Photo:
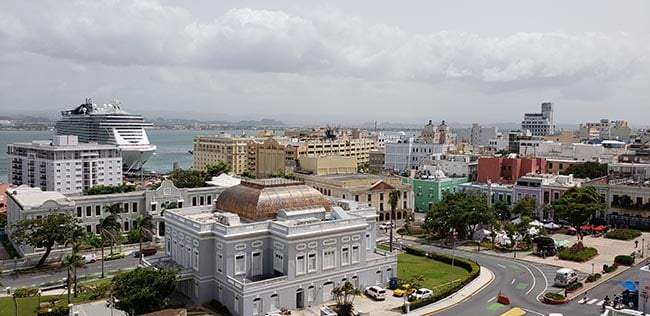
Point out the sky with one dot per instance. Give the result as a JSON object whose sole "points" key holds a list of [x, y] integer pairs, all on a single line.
{"points": [[329, 62]]}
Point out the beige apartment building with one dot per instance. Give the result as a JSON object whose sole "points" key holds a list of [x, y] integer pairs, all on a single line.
{"points": [[372, 190], [209, 150], [274, 154]]}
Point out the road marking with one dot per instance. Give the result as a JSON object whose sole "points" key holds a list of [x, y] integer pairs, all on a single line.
{"points": [[521, 286], [40, 276], [502, 266], [514, 267], [495, 306], [513, 281], [534, 312], [492, 299], [532, 275], [545, 281], [592, 301]]}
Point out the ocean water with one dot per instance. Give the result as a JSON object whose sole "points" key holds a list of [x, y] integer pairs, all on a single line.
{"points": [[173, 146]]}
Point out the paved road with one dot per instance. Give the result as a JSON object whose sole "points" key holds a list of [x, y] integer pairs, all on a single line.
{"points": [[36, 279]]}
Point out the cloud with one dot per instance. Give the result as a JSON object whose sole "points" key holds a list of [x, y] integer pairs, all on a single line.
{"points": [[148, 33]]}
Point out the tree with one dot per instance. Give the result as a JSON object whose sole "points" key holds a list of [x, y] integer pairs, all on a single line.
{"points": [[142, 290], [188, 178], [589, 169], [502, 209], [344, 296], [77, 239], [54, 228], [248, 174], [71, 261], [215, 170], [109, 231], [393, 199], [460, 213], [525, 207], [578, 205], [477, 212], [145, 228], [282, 174]]}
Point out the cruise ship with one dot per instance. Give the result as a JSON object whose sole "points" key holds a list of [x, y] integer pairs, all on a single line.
{"points": [[109, 124]]}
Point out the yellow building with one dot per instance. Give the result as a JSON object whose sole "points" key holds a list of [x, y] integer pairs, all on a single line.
{"points": [[328, 165], [209, 150], [557, 166], [266, 155], [564, 137], [364, 188]]}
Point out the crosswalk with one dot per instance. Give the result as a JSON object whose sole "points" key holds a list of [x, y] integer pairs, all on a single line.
{"points": [[593, 301]]}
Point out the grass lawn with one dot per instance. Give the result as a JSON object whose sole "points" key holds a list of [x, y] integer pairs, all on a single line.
{"points": [[434, 272], [27, 305]]}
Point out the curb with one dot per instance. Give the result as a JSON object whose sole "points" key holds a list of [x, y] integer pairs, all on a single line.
{"points": [[444, 308], [600, 281]]}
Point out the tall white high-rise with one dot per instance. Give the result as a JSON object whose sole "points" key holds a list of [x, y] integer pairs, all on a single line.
{"points": [[540, 124], [63, 164]]}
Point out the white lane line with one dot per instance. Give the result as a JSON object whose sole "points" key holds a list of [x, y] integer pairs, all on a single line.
{"points": [[492, 299], [513, 281], [592, 301], [501, 266], [545, 281], [532, 275], [40, 276]]}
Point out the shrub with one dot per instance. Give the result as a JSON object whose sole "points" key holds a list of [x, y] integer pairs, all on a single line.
{"points": [[609, 269], [573, 286], [623, 234], [581, 255], [624, 260], [26, 292], [555, 296], [593, 277]]}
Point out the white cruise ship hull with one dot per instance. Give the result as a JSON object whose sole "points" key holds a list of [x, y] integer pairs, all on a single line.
{"points": [[133, 157]]}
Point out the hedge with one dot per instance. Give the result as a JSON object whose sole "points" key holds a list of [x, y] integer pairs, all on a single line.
{"points": [[623, 234], [593, 277], [573, 286], [581, 256], [555, 296], [26, 292], [624, 260], [609, 269], [472, 267]]}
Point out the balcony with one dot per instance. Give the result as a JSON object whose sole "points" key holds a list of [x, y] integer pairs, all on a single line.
{"points": [[247, 285]]}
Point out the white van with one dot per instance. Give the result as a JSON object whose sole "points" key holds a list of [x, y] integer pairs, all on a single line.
{"points": [[564, 277], [376, 292], [89, 258]]}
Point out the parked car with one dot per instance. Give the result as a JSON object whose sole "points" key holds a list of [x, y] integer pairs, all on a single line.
{"points": [[421, 293], [376, 292], [114, 256], [89, 258], [147, 251], [405, 289], [385, 225]]}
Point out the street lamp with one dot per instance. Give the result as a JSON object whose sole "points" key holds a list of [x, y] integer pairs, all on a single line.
{"points": [[70, 309], [642, 247], [453, 256]]}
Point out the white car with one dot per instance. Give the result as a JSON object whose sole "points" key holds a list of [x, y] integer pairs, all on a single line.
{"points": [[89, 258], [385, 225], [376, 292], [421, 293]]}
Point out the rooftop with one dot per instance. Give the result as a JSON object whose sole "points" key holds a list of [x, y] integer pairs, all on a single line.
{"points": [[28, 197]]}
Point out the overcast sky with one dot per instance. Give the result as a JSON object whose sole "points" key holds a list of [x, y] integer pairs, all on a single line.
{"points": [[335, 61]]}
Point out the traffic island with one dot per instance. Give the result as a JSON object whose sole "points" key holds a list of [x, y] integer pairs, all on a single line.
{"points": [[555, 298]]}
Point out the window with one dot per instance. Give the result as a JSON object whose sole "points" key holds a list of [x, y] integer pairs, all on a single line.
{"points": [[381, 206], [369, 197], [201, 200], [169, 245], [240, 263], [275, 302], [126, 226], [310, 294], [404, 205], [98, 210], [188, 263], [300, 264], [134, 205], [236, 304], [89, 211], [311, 262], [345, 255], [278, 262], [329, 258], [381, 196], [219, 262], [196, 260], [88, 228], [257, 306], [78, 211], [153, 207], [356, 197], [97, 229], [209, 199], [126, 207], [356, 254], [194, 201], [368, 242]]}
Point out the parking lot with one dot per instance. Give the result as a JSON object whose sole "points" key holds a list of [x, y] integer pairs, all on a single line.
{"points": [[363, 304]]}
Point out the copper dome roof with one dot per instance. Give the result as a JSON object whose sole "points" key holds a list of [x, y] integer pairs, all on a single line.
{"points": [[261, 199]]}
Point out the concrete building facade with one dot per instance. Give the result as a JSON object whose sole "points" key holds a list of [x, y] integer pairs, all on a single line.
{"points": [[429, 191], [508, 170], [408, 154], [540, 124], [293, 259], [63, 164], [209, 150], [476, 135]]}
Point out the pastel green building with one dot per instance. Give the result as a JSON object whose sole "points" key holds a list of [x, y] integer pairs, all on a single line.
{"points": [[427, 192]]}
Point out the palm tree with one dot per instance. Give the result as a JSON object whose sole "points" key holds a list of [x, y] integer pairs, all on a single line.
{"points": [[76, 240], [109, 231], [71, 262], [393, 198], [145, 228]]}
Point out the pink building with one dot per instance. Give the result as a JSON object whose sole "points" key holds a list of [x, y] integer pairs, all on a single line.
{"points": [[508, 170]]}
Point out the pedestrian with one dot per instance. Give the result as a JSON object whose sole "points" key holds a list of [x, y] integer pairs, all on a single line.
{"points": [[584, 298], [636, 243]]}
